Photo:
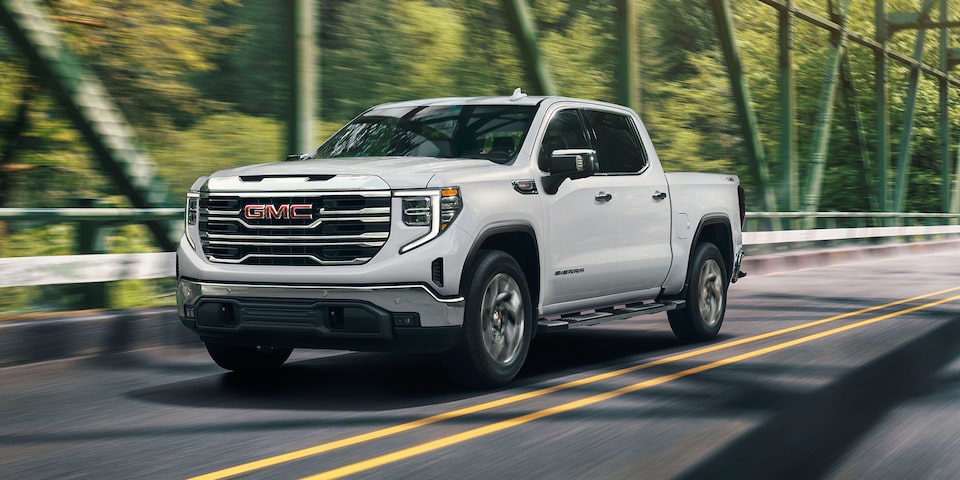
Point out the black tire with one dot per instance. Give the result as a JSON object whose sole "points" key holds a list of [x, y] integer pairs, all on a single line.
{"points": [[706, 296], [246, 359], [497, 324]]}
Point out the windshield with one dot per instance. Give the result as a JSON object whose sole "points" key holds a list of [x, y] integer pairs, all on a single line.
{"points": [[489, 132]]}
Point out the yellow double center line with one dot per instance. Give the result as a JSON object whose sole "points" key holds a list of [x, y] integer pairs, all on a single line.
{"points": [[523, 419]]}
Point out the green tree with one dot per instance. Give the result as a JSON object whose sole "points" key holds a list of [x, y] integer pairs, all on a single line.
{"points": [[144, 51], [682, 71]]}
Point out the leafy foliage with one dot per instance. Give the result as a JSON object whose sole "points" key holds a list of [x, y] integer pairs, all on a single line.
{"points": [[144, 50]]}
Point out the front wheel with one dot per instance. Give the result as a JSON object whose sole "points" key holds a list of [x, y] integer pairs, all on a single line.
{"points": [[706, 296], [246, 359], [497, 324]]}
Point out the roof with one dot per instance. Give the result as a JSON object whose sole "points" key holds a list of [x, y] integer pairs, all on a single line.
{"points": [[527, 100], [500, 100]]}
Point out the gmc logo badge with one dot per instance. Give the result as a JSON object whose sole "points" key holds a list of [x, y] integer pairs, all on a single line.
{"points": [[296, 211]]}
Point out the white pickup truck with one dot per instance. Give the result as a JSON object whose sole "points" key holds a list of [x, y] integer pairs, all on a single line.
{"points": [[461, 226]]}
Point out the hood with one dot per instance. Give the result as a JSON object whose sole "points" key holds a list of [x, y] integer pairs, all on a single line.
{"points": [[355, 173]]}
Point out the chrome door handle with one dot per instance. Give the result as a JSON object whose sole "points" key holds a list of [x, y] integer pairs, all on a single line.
{"points": [[659, 195], [603, 197]]}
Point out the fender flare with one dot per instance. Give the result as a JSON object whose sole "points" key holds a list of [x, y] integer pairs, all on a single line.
{"points": [[492, 231], [705, 221]]}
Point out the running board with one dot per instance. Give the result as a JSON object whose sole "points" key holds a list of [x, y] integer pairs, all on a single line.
{"points": [[600, 315]]}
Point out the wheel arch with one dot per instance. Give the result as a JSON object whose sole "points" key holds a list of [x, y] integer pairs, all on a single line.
{"points": [[518, 241], [716, 229]]}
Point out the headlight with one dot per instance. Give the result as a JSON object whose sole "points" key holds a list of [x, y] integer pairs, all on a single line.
{"points": [[193, 204], [417, 211], [436, 209], [450, 206], [191, 213]]}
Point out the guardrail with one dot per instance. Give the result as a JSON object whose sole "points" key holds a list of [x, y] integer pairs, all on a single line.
{"points": [[93, 267], [91, 221], [96, 215], [832, 226]]}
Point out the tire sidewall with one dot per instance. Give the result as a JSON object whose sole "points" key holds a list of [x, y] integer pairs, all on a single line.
{"points": [[489, 264], [706, 251]]}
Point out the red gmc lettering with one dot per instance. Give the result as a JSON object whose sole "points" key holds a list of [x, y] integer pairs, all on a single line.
{"points": [[305, 211], [299, 211]]}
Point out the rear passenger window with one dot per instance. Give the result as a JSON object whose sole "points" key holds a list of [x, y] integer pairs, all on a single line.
{"points": [[616, 141]]}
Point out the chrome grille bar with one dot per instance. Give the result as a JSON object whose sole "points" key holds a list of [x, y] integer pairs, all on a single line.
{"points": [[327, 228]]}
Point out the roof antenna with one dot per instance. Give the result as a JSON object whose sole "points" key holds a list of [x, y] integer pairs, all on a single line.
{"points": [[517, 95]]}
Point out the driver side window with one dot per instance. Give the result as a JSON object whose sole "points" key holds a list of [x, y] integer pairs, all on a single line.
{"points": [[564, 131], [616, 141]]}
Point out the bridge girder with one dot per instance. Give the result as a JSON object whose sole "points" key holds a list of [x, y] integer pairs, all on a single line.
{"points": [[886, 24]]}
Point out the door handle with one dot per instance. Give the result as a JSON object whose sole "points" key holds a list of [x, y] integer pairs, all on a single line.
{"points": [[658, 195], [603, 197]]}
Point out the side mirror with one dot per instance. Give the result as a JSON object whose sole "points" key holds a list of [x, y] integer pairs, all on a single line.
{"points": [[569, 163]]}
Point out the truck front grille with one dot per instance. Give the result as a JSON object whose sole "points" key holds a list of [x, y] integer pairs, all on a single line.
{"points": [[294, 229]]}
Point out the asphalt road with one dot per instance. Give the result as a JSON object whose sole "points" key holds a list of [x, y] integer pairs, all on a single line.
{"points": [[849, 371]]}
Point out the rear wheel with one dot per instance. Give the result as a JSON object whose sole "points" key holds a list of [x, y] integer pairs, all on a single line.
{"points": [[706, 296], [497, 324], [246, 359]]}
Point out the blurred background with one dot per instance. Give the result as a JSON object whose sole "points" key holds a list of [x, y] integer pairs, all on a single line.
{"points": [[205, 85]]}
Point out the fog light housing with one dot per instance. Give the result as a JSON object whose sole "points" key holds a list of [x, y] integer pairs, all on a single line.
{"points": [[406, 319], [188, 293]]}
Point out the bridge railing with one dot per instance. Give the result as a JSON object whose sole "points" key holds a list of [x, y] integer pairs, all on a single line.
{"points": [[93, 266], [842, 228]]}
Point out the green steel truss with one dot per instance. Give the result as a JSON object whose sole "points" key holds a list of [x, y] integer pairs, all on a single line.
{"points": [[787, 195], [92, 110], [876, 179]]}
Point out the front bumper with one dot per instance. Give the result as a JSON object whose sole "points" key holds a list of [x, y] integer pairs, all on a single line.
{"points": [[373, 318]]}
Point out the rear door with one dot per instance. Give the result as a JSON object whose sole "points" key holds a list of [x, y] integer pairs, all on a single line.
{"points": [[639, 197]]}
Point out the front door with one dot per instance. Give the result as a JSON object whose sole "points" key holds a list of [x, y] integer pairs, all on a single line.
{"points": [[582, 262]]}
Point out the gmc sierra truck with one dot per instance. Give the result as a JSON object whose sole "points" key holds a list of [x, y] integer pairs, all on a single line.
{"points": [[460, 226]]}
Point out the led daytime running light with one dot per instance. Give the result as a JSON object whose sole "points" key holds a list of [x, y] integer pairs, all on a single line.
{"points": [[442, 207]]}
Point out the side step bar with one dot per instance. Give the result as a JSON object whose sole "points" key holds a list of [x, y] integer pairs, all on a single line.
{"points": [[600, 315]]}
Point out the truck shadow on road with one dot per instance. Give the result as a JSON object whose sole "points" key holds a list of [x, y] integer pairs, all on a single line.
{"points": [[380, 381], [808, 433]]}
